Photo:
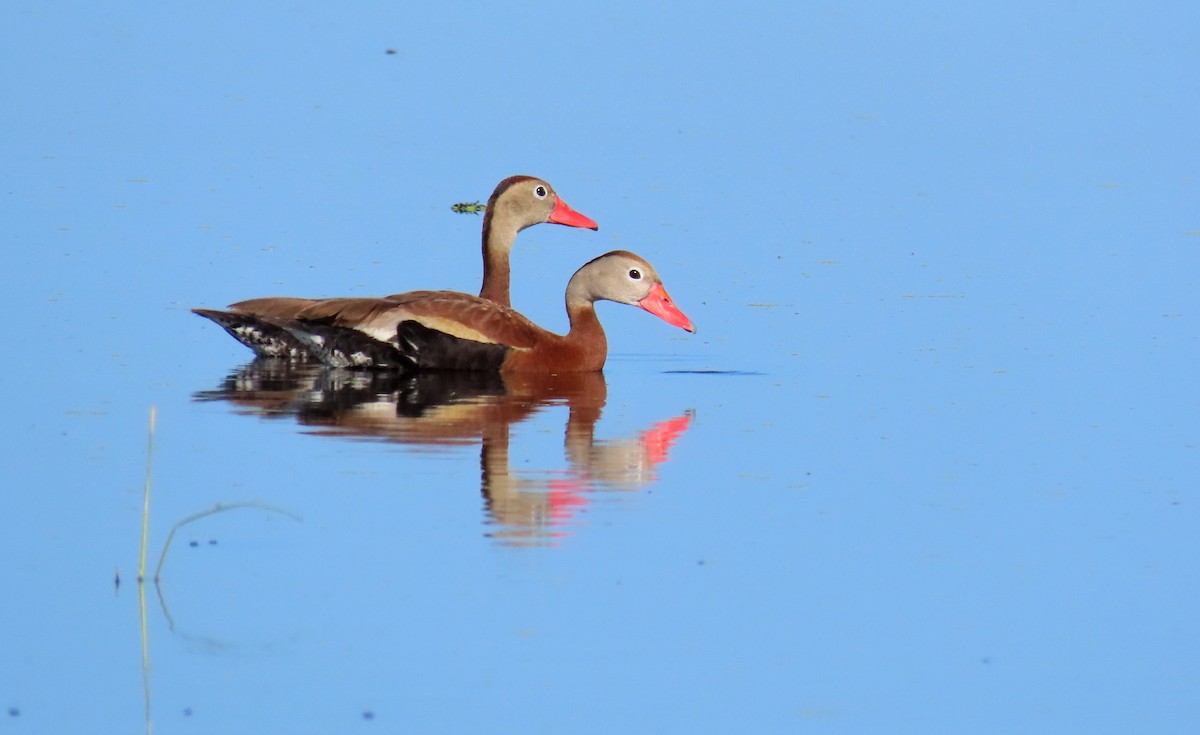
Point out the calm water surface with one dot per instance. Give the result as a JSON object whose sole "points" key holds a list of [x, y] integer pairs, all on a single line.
{"points": [[929, 464]]}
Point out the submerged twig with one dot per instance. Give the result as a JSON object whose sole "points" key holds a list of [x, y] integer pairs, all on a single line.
{"points": [[141, 576], [146, 495]]}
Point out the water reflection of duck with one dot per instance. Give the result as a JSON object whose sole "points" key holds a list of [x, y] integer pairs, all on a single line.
{"points": [[517, 202], [479, 334], [465, 408]]}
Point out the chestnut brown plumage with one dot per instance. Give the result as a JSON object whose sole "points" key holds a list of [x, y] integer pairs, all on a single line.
{"points": [[447, 330]]}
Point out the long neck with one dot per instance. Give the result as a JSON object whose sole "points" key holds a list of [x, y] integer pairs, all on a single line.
{"points": [[498, 238], [586, 336]]}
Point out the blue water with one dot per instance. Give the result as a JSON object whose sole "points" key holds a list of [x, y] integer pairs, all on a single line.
{"points": [[929, 464]]}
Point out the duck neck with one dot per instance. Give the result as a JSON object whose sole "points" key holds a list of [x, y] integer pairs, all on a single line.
{"points": [[586, 335], [498, 238]]}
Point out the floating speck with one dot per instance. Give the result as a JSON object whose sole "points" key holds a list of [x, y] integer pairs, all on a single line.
{"points": [[468, 208]]}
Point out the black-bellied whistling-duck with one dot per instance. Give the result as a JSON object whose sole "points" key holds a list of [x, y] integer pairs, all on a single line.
{"points": [[517, 202], [446, 330]]}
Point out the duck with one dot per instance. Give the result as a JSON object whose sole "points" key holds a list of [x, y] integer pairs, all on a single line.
{"points": [[449, 330], [516, 203]]}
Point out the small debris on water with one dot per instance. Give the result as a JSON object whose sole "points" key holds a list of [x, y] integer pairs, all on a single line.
{"points": [[468, 208]]}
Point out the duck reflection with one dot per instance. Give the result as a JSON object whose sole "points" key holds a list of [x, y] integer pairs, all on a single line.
{"points": [[529, 507]]}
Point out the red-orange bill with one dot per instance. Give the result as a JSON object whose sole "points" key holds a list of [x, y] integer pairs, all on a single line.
{"points": [[564, 215], [658, 303]]}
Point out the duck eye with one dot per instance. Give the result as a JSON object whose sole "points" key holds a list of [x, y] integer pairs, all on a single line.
{"points": [[539, 191], [635, 274]]}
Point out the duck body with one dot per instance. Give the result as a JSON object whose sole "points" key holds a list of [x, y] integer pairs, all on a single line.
{"points": [[422, 330]]}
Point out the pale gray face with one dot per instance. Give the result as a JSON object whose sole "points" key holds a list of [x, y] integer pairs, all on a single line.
{"points": [[526, 202], [626, 278], [617, 276], [522, 201]]}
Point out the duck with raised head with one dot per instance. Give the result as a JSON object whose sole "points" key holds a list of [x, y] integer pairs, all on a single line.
{"points": [[446, 330], [516, 203]]}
